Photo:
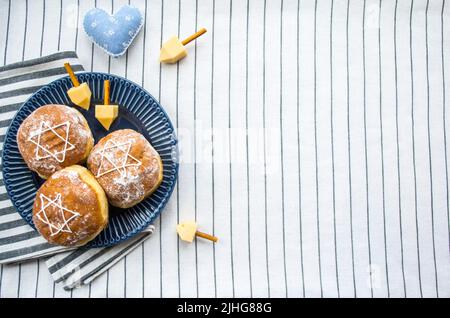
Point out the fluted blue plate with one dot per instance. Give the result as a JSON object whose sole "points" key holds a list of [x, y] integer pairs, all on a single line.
{"points": [[138, 111]]}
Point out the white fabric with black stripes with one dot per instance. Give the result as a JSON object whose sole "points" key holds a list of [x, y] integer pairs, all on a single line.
{"points": [[18, 241], [340, 189]]}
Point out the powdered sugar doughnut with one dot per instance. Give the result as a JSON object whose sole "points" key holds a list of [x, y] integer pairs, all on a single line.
{"points": [[126, 166], [70, 208], [54, 137]]}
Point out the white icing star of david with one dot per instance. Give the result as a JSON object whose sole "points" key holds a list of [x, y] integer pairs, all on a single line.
{"points": [[60, 155], [42, 215], [119, 163]]}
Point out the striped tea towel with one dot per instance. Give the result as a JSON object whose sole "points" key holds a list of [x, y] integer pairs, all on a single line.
{"points": [[18, 241]]}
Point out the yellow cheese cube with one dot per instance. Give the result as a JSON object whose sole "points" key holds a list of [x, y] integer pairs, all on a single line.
{"points": [[172, 51], [186, 230], [80, 95], [106, 114]]}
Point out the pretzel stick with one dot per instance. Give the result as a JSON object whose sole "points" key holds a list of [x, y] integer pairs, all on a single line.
{"points": [[73, 78], [206, 236], [106, 91], [193, 36]]}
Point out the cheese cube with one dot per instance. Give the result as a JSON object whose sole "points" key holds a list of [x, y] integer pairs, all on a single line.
{"points": [[80, 95], [186, 230], [172, 51], [106, 114]]}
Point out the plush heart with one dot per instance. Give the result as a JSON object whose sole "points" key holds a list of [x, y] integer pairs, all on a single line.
{"points": [[113, 33]]}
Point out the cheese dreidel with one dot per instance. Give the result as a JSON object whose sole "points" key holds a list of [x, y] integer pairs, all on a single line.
{"points": [[79, 94], [187, 231], [173, 50], [106, 113]]}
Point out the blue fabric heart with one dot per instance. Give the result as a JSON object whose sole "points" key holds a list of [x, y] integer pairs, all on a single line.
{"points": [[113, 33]]}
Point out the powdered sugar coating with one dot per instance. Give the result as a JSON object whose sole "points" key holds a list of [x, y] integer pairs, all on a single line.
{"points": [[140, 172], [44, 152]]}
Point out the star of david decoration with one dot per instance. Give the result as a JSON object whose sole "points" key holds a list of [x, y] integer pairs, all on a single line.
{"points": [[58, 155], [118, 156], [56, 228]]}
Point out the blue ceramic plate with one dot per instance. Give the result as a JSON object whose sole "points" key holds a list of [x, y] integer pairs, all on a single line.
{"points": [[138, 111]]}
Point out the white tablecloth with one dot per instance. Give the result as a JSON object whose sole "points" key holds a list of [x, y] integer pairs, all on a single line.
{"points": [[340, 187]]}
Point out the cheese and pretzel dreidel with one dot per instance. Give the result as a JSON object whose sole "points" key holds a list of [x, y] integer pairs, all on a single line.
{"points": [[173, 50], [106, 113], [79, 94], [187, 231]]}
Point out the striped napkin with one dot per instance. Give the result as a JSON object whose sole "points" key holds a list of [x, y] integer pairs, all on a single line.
{"points": [[18, 241]]}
